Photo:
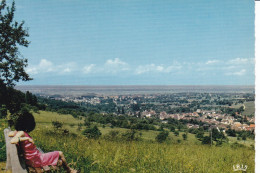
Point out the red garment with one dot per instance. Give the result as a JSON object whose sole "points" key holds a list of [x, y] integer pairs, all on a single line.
{"points": [[33, 157]]}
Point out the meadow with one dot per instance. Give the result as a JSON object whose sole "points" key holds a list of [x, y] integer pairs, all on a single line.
{"points": [[145, 155]]}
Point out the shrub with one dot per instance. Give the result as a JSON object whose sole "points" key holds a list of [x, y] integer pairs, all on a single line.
{"points": [[172, 129], [200, 135], [184, 136], [3, 111], [57, 124], [237, 145], [112, 135], [176, 133], [93, 132], [130, 135], [206, 140], [2, 148], [162, 136]]}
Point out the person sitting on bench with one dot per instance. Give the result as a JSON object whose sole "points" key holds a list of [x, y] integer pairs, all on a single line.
{"points": [[33, 157]]}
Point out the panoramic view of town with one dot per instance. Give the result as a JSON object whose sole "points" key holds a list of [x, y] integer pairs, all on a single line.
{"points": [[127, 86], [201, 109]]}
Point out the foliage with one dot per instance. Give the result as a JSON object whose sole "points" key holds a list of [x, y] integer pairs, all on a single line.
{"points": [[57, 124], [172, 128], [217, 135], [162, 136], [12, 36], [3, 111], [200, 135], [92, 132], [31, 99], [112, 135], [176, 133], [184, 136], [206, 140], [2, 148], [130, 135], [231, 132], [246, 134]]}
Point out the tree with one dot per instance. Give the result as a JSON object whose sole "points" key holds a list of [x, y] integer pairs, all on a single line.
{"points": [[162, 136], [3, 111], [12, 36], [231, 132], [93, 132], [200, 135], [244, 137], [176, 133], [12, 64], [130, 135], [184, 136], [172, 129], [206, 140]]}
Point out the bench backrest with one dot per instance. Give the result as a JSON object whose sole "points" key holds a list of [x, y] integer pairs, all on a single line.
{"points": [[13, 161]]}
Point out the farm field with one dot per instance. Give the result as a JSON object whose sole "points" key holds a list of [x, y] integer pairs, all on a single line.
{"points": [[249, 108], [104, 155]]}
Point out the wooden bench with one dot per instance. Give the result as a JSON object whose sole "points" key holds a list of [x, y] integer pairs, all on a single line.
{"points": [[14, 161]]}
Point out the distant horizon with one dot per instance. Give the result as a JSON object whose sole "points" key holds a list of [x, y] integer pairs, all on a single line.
{"points": [[79, 90], [134, 85]]}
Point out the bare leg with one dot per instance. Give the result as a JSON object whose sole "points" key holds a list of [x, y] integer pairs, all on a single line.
{"points": [[64, 163]]}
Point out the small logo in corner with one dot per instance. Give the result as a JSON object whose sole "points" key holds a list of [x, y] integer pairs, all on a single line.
{"points": [[239, 167]]}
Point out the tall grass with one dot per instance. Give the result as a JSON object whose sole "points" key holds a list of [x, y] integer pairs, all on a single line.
{"points": [[141, 156], [104, 155]]}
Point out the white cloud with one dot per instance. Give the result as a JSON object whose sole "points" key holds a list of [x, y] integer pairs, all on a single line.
{"points": [[233, 67], [32, 70], [66, 68], [147, 68], [157, 68], [46, 66], [241, 61], [212, 61], [88, 68], [237, 73], [116, 65], [115, 62], [43, 66], [175, 66]]}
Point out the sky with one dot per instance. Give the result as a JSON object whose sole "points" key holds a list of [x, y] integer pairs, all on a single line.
{"points": [[139, 42]]}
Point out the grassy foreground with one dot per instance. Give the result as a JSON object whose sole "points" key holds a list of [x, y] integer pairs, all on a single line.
{"points": [[140, 156], [104, 155]]}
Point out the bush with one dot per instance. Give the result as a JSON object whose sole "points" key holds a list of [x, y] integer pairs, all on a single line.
{"points": [[130, 135], [176, 133], [93, 132], [172, 129], [184, 136], [57, 124], [237, 145], [112, 135], [2, 148], [3, 111], [162, 136], [200, 135], [206, 140]]}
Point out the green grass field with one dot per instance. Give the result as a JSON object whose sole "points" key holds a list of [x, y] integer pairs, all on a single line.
{"points": [[103, 155], [249, 108]]}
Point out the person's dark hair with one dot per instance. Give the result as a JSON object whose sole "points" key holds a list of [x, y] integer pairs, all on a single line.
{"points": [[25, 122]]}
